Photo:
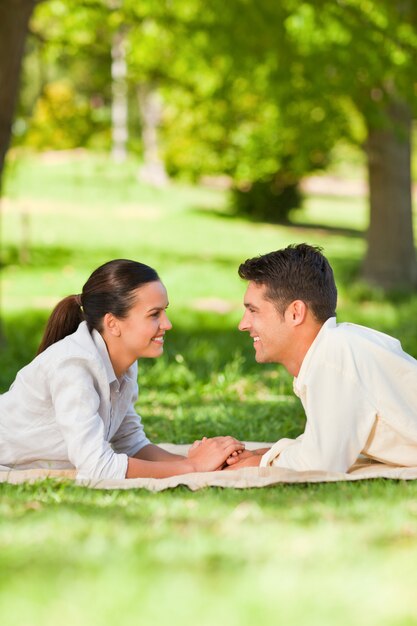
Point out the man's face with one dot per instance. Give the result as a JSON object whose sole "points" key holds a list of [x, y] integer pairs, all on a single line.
{"points": [[271, 332]]}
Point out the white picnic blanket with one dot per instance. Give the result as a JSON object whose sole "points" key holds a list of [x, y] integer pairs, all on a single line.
{"points": [[247, 477]]}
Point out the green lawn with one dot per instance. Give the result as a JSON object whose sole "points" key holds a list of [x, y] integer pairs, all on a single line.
{"points": [[314, 554]]}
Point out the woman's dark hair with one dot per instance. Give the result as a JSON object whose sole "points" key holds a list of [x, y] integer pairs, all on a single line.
{"points": [[110, 289], [298, 272]]}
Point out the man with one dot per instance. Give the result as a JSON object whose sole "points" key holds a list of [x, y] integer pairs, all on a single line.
{"points": [[357, 386]]}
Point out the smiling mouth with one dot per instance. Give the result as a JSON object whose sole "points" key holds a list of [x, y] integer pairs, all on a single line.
{"points": [[159, 340], [255, 339]]}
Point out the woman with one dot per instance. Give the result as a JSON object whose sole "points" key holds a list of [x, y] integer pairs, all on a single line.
{"points": [[73, 405]]}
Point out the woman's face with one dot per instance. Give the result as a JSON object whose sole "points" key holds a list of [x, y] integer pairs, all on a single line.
{"points": [[142, 331]]}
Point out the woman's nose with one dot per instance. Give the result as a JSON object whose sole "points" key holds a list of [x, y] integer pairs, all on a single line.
{"points": [[166, 324]]}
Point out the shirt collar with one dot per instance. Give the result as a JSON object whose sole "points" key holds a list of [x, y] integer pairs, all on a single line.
{"points": [[103, 352], [328, 324]]}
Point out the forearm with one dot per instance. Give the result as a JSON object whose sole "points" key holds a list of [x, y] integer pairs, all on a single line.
{"points": [[139, 468], [206, 457], [152, 452]]}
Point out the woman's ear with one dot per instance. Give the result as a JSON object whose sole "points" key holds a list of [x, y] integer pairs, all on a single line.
{"points": [[111, 325]]}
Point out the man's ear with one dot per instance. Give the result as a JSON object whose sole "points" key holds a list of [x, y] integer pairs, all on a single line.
{"points": [[296, 312], [111, 325]]}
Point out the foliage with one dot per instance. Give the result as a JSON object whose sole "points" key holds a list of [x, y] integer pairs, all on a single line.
{"points": [[61, 120], [270, 200], [253, 91], [66, 76]]}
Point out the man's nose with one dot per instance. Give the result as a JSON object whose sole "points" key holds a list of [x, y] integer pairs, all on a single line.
{"points": [[243, 324]]}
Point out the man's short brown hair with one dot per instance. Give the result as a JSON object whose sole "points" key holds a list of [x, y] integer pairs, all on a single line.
{"points": [[298, 272]]}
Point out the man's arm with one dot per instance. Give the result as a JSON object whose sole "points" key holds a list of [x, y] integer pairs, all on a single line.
{"points": [[340, 417]]}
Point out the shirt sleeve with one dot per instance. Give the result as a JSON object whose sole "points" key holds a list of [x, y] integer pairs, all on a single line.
{"points": [[76, 403], [339, 420], [130, 436]]}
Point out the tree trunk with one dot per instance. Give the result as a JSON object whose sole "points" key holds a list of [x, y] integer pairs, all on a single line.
{"points": [[119, 108], [14, 19], [150, 105], [390, 260]]}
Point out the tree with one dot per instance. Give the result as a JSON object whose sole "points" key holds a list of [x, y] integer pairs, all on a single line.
{"points": [[390, 260], [370, 59], [263, 90], [119, 96], [326, 70], [14, 20]]}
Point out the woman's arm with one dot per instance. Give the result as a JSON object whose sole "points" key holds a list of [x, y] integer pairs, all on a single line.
{"points": [[151, 452], [210, 455]]}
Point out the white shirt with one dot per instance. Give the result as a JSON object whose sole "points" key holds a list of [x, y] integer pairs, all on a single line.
{"points": [[67, 408], [359, 392]]}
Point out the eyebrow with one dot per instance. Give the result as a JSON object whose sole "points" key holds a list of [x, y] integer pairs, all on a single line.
{"points": [[158, 308], [249, 304]]}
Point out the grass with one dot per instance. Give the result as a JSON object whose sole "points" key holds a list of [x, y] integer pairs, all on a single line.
{"points": [[299, 554], [316, 554]]}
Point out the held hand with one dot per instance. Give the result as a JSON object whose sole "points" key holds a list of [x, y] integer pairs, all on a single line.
{"points": [[246, 459], [237, 458], [245, 454], [211, 454]]}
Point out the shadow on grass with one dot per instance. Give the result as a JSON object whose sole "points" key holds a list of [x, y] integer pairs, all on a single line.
{"points": [[248, 420], [327, 229]]}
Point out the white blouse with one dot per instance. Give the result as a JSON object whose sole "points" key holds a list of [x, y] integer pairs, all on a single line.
{"points": [[358, 389], [68, 409]]}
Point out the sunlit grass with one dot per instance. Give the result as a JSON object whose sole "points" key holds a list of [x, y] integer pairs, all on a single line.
{"points": [[321, 554], [297, 554]]}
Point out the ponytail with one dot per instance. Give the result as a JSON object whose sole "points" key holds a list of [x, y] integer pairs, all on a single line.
{"points": [[63, 321]]}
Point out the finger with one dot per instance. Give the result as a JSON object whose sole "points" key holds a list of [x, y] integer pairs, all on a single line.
{"points": [[232, 460], [231, 447]]}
